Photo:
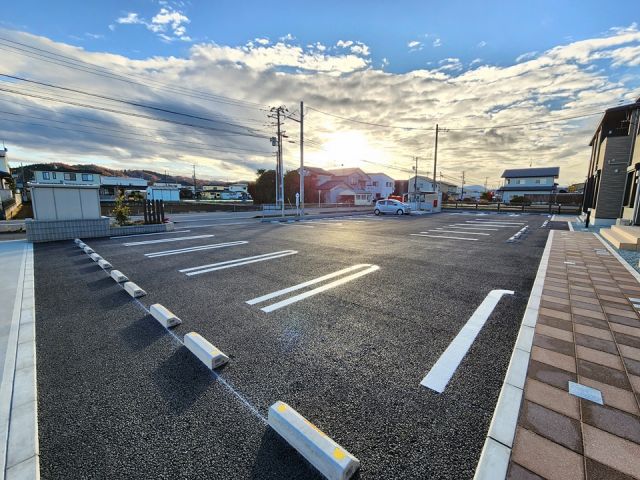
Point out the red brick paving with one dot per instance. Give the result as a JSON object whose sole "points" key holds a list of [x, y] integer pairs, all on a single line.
{"points": [[587, 331]]}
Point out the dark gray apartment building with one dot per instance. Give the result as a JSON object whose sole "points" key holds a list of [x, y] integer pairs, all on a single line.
{"points": [[611, 189]]}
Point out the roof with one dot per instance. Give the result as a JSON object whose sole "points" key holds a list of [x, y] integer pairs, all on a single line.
{"points": [[524, 188], [381, 174], [343, 172], [317, 171], [608, 111], [123, 181], [332, 184], [531, 172]]}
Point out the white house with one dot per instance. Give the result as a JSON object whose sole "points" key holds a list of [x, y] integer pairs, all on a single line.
{"points": [[420, 184], [537, 184], [382, 185], [5, 175], [66, 178]]}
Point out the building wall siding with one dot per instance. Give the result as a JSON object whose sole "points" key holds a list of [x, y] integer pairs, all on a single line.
{"points": [[612, 183]]}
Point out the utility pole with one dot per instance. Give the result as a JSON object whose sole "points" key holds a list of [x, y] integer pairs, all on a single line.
{"points": [[301, 122], [435, 159], [279, 111], [462, 188], [301, 158], [195, 188], [485, 183]]}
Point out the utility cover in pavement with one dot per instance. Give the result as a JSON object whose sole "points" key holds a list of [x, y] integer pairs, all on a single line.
{"points": [[585, 392]]}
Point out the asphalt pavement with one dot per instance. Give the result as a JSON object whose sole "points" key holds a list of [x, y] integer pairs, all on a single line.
{"points": [[120, 397]]}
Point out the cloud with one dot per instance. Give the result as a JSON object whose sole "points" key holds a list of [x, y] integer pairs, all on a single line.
{"points": [[415, 45], [437, 42], [360, 49], [567, 80], [481, 44], [130, 18], [262, 41], [168, 24], [526, 56]]}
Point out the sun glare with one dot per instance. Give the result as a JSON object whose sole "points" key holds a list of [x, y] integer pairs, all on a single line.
{"points": [[348, 149]]}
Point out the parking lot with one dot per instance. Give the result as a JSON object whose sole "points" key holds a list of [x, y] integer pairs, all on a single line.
{"points": [[342, 318]]}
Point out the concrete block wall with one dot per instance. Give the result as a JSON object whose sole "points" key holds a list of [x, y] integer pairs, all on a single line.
{"points": [[52, 230]]}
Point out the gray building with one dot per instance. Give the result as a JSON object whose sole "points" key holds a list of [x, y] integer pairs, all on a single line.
{"points": [[535, 184], [612, 179]]}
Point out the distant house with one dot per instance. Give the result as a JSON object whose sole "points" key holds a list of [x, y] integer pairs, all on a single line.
{"points": [[110, 187], [66, 178], [473, 192], [421, 184], [344, 185], [611, 189], [164, 193], [382, 185], [536, 184], [5, 175]]}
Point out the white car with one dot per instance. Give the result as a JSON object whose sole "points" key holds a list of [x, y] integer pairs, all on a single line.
{"points": [[391, 206]]}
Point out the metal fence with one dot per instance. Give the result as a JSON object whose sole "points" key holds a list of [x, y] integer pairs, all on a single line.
{"points": [[550, 208]]}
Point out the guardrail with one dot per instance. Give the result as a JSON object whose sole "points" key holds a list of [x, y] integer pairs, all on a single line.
{"points": [[551, 208]]}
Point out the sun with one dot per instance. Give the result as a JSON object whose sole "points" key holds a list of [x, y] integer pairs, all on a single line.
{"points": [[347, 149]]}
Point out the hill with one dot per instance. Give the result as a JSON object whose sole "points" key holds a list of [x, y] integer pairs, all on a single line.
{"points": [[148, 175]]}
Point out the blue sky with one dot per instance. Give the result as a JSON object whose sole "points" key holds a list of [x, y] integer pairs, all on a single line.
{"points": [[495, 31], [410, 64]]}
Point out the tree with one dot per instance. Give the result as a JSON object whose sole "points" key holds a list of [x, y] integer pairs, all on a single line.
{"points": [[121, 211], [263, 190], [488, 196]]}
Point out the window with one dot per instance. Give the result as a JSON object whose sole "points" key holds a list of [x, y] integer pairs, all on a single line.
{"points": [[87, 177], [375, 184], [54, 175], [508, 181], [520, 182], [537, 180], [389, 184], [45, 175], [69, 176]]}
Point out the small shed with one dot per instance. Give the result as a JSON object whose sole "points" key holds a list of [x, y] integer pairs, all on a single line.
{"points": [[65, 202]]}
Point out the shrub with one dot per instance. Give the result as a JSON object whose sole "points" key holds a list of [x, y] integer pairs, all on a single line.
{"points": [[121, 211]]}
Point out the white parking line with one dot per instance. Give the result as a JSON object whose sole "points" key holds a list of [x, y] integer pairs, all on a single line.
{"points": [[467, 227], [326, 223], [308, 283], [221, 224], [439, 230], [212, 267], [194, 249], [442, 371], [491, 224], [441, 236], [165, 240], [147, 234], [296, 298], [487, 222]]}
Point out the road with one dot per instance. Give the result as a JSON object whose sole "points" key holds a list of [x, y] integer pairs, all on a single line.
{"points": [[371, 305]]}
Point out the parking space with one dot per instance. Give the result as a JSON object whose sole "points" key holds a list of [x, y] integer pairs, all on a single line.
{"points": [[341, 318]]}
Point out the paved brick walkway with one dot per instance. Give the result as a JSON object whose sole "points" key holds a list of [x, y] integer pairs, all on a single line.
{"points": [[588, 332]]}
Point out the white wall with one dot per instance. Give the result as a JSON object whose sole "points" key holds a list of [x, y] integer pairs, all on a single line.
{"points": [[65, 202]]}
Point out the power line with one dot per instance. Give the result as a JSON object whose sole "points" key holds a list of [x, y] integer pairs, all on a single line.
{"points": [[369, 123], [138, 115], [126, 102], [88, 67], [134, 134]]}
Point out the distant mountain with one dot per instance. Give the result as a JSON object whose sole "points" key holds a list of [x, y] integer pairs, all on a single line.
{"points": [[148, 175]]}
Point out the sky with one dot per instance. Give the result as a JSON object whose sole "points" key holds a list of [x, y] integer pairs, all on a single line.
{"points": [[164, 85]]}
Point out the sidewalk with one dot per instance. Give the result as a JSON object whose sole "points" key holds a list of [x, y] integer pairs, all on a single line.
{"points": [[18, 400], [587, 332]]}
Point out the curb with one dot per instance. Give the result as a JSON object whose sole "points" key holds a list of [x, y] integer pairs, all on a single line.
{"points": [[22, 451], [494, 459]]}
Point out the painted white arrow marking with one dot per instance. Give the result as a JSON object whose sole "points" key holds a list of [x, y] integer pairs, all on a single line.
{"points": [[440, 374]]}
